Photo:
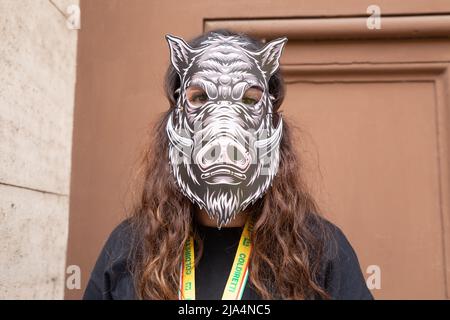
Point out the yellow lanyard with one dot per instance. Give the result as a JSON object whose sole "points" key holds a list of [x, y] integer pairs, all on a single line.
{"points": [[237, 279]]}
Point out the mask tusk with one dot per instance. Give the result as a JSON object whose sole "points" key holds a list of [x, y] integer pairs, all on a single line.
{"points": [[273, 140], [177, 140]]}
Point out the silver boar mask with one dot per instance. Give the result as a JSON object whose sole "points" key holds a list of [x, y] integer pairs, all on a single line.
{"points": [[224, 148]]}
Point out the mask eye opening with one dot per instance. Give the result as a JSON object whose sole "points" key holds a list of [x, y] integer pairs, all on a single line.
{"points": [[252, 95], [196, 96]]}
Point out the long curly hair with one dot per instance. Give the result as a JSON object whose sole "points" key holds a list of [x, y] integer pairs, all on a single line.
{"points": [[288, 236]]}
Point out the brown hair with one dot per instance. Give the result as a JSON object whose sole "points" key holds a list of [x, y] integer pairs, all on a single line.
{"points": [[288, 236]]}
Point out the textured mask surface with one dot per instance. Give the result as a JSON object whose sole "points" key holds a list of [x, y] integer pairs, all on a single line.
{"points": [[224, 148]]}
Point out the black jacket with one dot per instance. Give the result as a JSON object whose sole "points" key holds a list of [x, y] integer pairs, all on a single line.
{"points": [[110, 278]]}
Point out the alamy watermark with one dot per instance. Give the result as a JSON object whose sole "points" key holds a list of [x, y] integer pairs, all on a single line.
{"points": [[373, 22], [73, 277], [73, 21], [373, 281]]}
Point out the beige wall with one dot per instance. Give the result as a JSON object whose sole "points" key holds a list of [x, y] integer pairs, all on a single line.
{"points": [[37, 78]]}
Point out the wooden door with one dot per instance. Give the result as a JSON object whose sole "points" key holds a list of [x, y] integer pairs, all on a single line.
{"points": [[371, 107]]}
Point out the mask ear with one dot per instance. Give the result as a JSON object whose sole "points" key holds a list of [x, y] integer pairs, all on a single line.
{"points": [[181, 53], [269, 56]]}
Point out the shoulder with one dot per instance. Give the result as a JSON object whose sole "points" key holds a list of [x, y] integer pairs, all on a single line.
{"points": [[119, 240], [117, 247], [337, 245], [341, 271], [111, 277]]}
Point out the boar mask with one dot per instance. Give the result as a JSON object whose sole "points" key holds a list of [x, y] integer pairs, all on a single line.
{"points": [[223, 143]]}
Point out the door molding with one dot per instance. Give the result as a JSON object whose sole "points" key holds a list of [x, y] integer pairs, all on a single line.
{"points": [[423, 26]]}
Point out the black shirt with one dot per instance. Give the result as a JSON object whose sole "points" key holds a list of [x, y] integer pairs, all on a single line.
{"points": [[110, 278], [219, 250]]}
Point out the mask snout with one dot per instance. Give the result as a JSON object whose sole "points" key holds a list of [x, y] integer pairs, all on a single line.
{"points": [[226, 153]]}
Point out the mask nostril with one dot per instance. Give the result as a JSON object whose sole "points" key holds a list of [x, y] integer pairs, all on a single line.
{"points": [[234, 153], [223, 152], [212, 154]]}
